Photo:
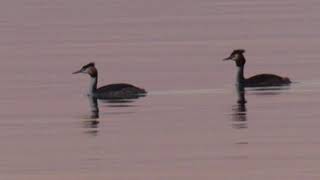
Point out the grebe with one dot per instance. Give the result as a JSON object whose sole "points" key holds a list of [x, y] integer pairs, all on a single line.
{"points": [[112, 91], [260, 80]]}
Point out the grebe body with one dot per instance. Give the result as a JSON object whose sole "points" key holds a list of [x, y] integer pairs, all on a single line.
{"points": [[112, 91], [260, 80], [119, 91], [266, 80]]}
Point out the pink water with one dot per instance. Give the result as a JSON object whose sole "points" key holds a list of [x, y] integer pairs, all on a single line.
{"points": [[188, 127]]}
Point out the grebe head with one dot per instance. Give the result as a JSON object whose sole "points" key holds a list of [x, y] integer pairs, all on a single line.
{"points": [[237, 56], [88, 69]]}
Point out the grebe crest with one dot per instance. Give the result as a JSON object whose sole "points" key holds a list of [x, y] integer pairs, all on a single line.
{"points": [[88, 69]]}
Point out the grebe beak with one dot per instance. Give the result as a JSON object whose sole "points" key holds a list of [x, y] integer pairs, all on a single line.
{"points": [[77, 72], [228, 58]]}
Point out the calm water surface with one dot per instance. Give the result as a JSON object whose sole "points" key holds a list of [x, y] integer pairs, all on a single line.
{"points": [[190, 126]]}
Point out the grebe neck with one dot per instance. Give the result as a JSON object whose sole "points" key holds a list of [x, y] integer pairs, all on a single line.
{"points": [[240, 76], [93, 85]]}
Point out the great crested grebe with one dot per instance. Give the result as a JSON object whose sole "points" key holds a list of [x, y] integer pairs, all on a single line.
{"points": [[260, 80], [112, 91]]}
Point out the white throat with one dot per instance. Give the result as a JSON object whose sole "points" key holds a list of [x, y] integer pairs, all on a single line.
{"points": [[93, 85]]}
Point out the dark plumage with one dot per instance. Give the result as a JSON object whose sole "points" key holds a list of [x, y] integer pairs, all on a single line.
{"points": [[266, 80], [112, 91], [260, 80], [120, 91]]}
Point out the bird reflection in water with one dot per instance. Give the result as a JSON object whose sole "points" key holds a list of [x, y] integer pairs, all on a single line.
{"points": [[92, 122], [118, 103], [239, 115]]}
